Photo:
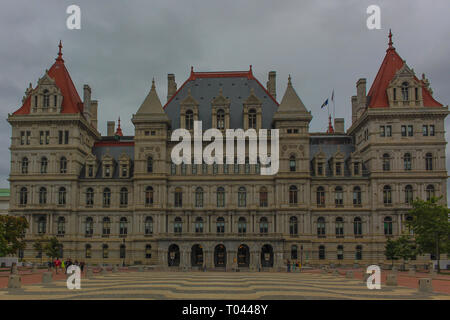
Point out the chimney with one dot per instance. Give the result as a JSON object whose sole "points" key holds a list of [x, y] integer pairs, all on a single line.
{"points": [[87, 101], [272, 84], [354, 107], [339, 125], [94, 108], [171, 85], [111, 125], [361, 92]]}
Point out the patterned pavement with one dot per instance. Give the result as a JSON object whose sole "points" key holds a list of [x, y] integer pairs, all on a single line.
{"points": [[214, 285]]}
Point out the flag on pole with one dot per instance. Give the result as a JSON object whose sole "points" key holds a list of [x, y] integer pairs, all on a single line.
{"points": [[324, 104], [332, 96]]}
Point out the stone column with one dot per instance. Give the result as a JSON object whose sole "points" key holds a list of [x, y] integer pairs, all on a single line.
{"points": [[254, 260], [231, 255]]}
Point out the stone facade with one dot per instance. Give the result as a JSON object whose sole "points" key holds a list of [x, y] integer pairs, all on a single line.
{"points": [[336, 198]]}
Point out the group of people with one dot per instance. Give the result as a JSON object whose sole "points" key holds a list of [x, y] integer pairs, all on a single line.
{"points": [[292, 265], [64, 265]]}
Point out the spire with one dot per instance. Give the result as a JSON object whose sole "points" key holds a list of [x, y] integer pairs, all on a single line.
{"points": [[330, 126], [291, 101], [152, 105], [59, 58], [390, 41], [119, 130]]}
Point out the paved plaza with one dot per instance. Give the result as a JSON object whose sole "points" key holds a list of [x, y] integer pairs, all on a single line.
{"points": [[216, 285]]}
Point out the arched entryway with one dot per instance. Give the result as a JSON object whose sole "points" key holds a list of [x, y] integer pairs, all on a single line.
{"points": [[267, 256], [220, 256], [173, 256], [243, 256], [197, 255]]}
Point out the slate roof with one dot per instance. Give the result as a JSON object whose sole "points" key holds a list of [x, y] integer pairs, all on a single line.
{"points": [[236, 86]]}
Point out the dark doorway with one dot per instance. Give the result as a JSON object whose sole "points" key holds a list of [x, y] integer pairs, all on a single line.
{"points": [[267, 256], [243, 256], [197, 255], [173, 257], [220, 256]]}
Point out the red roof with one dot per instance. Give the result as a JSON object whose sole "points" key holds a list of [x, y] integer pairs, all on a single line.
{"points": [[391, 64], [221, 74], [71, 100], [114, 143]]}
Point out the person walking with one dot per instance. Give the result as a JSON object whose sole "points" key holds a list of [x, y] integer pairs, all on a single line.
{"points": [[288, 263], [63, 266]]}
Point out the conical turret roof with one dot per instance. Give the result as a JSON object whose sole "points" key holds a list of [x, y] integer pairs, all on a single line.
{"points": [[291, 105], [151, 107]]}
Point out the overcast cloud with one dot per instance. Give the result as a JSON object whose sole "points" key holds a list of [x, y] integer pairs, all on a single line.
{"points": [[324, 45]]}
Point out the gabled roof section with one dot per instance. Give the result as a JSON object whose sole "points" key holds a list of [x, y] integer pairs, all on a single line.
{"points": [[71, 102], [392, 62]]}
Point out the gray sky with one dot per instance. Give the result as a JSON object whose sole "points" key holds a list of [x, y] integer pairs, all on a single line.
{"points": [[123, 44]]}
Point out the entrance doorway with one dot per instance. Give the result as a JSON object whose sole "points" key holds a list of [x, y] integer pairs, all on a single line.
{"points": [[243, 256], [220, 256], [173, 256], [267, 256], [197, 255]]}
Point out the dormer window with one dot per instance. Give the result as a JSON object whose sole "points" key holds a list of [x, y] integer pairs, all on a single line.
{"points": [[90, 170], [221, 119], [252, 119], [124, 171], [107, 171], [46, 99], [338, 168], [189, 120], [320, 168], [405, 92], [356, 168]]}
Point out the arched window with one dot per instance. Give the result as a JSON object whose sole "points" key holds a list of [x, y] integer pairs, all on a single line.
{"points": [[89, 196], [148, 226], [263, 225], [386, 162], [46, 99], [63, 165], [42, 195], [252, 119], [293, 195], [124, 196], [177, 225], [407, 161], [294, 252], [220, 197], [198, 225], [340, 252], [429, 192], [199, 197], [263, 197], [242, 225], [242, 197], [24, 165], [405, 91], [148, 251], [89, 227], [178, 197], [387, 195], [44, 164], [339, 227], [292, 164], [189, 120], [61, 226], [123, 226], [338, 196], [23, 196], [321, 252], [149, 164], [388, 226], [429, 161], [408, 194], [321, 227], [293, 226], [123, 251], [357, 196], [105, 252], [88, 252], [358, 252], [42, 225], [62, 196], [357, 226], [106, 197], [106, 226], [148, 196], [220, 119], [320, 196], [220, 225]]}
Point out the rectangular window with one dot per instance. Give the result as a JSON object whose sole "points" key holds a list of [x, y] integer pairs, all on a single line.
{"points": [[66, 137], [47, 137], [403, 131], [432, 130], [338, 168], [425, 130], [410, 131], [90, 170], [416, 93], [382, 131], [395, 94], [320, 169], [388, 131], [60, 137], [41, 137], [28, 137], [22, 138], [356, 168]]}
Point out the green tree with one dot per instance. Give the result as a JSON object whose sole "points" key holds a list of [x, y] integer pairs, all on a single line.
{"points": [[431, 226], [391, 250], [12, 234], [52, 248], [39, 247], [405, 248]]}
